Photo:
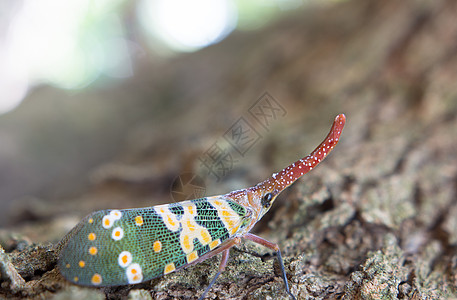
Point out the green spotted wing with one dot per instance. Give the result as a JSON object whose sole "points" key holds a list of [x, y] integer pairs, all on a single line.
{"points": [[117, 247]]}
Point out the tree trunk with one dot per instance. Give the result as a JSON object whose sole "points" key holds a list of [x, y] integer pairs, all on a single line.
{"points": [[376, 220]]}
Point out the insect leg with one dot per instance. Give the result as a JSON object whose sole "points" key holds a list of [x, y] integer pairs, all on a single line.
{"points": [[225, 255], [274, 247], [224, 248]]}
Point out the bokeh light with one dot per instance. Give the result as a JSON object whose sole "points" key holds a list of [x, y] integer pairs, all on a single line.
{"points": [[188, 25], [61, 43], [70, 44]]}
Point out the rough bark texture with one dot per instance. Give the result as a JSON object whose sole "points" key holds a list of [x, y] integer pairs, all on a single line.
{"points": [[377, 220]]}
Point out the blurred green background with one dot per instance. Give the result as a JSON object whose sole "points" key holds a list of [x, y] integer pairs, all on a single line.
{"points": [[84, 44], [77, 75]]}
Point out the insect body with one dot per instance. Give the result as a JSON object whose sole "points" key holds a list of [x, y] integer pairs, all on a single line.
{"points": [[119, 247]]}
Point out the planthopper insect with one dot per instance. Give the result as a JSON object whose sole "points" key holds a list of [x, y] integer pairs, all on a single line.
{"points": [[120, 247]]}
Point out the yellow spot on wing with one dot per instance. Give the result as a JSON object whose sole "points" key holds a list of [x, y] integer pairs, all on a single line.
{"points": [[134, 273], [206, 237], [75, 279], [186, 243], [226, 213], [169, 268], [124, 259], [90, 222], [234, 230], [117, 234], [230, 222], [191, 210], [93, 250], [192, 256], [96, 279], [67, 266], [139, 220], [91, 236], [107, 221], [116, 214], [191, 225], [82, 263], [157, 246], [171, 221]]}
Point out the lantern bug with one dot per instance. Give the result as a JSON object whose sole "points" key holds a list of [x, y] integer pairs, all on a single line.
{"points": [[120, 247]]}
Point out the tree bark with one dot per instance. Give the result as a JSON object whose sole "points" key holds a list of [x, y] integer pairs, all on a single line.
{"points": [[376, 220]]}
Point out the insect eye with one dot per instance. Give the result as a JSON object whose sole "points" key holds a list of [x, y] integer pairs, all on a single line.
{"points": [[267, 199]]}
